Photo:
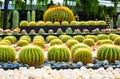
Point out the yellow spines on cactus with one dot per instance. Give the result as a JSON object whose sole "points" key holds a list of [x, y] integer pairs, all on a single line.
{"points": [[59, 13]]}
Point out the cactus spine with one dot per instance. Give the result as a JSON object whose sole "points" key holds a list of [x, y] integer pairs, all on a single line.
{"points": [[15, 19], [28, 16], [33, 16]]}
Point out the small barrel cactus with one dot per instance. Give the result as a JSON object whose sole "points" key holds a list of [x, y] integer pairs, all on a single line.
{"points": [[40, 23], [22, 43], [108, 52], [12, 39], [71, 42], [25, 37], [59, 31], [112, 35], [48, 23], [102, 36], [31, 55], [101, 22], [82, 23], [107, 41], [64, 38], [78, 46], [41, 31], [73, 23], [24, 23], [6, 41], [77, 31], [91, 23], [89, 42], [79, 38], [50, 31], [15, 32], [85, 31], [7, 53], [69, 31], [64, 23], [92, 37], [32, 32], [59, 53], [32, 23], [56, 23], [23, 32], [50, 38], [83, 55], [117, 41], [56, 42]]}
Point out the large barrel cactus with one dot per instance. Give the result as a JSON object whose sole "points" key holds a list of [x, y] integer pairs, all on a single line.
{"points": [[108, 52], [59, 14], [31, 55], [59, 53], [7, 53]]}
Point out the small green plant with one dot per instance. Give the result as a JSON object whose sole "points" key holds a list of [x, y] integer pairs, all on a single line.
{"points": [[56, 42], [73, 23], [79, 38], [50, 38], [89, 42], [102, 36], [69, 31], [50, 31], [40, 23], [59, 53], [59, 31], [24, 23], [48, 23], [32, 23], [31, 55], [15, 32], [23, 32], [22, 43], [83, 55], [71, 43], [108, 52], [64, 38], [7, 53], [41, 31], [64, 23]]}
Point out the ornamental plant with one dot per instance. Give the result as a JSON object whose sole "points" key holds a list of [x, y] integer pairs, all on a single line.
{"points": [[56, 42], [32, 23], [89, 42], [79, 38], [56, 23], [32, 32], [65, 23], [23, 32], [24, 23], [12, 39], [50, 38], [59, 53], [7, 53], [69, 31], [117, 41], [92, 37], [77, 31], [40, 23], [83, 55], [108, 52], [102, 36], [65, 38], [71, 42], [22, 43], [26, 37], [73, 23], [31, 55], [59, 31], [41, 31], [48, 23]]}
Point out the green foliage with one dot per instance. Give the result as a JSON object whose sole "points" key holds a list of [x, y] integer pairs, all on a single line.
{"points": [[79, 38], [28, 16], [32, 23], [15, 19], [89, 42], [56, 42], [12, 39], [69, 31], [59, 53], [50, 38], [64, 38], [31, 55], [78, 46], [108, 52], [24, 23], [7, 53], [59, 31], [33, 16], [22, 43], [102, 36], [84, 55], [71, 42], [92, 37], [40, 23]]}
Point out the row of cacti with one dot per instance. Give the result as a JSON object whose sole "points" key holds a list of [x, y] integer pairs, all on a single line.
{"points": [[63, 23]]}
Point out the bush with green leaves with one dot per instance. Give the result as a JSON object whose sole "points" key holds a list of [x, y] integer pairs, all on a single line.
{"points": [[78, 46], [56, 42], [12, 39], [102, 36], [59, 53], [64, 38], [50, 38], [79, 38], [92, 37], [108, 52], [31, 55], [83, 55], [22, 43], [69, 31], [71, 43], [89, 42], [7, 53], [26, 37]]}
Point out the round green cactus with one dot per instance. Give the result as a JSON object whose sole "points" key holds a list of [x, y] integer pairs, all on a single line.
{"points": [[32, 32], [73, 23], [24, 23], [56, 42], [112, 36], [84, 55], [25, 37], [64, 23], [7, 41], [107, 41], [31, 55], [23, 32], [3, 43], [59, 31], [7, 53], [78, 46], [82, 23], [117, 41], [32, 23], [91, 23], [22, 43], [56, 23], [69, 31], [64, 38], [58, 13], [89, 42], [102, 36], [71, 42], [92, 37], [41, 31], [77, 31], [50, 31], [101, 22], [40, 23], [108, 52], [59, 53], [50, 38], [79, 38], [12, 39], [48, 23], [38, 37]]}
